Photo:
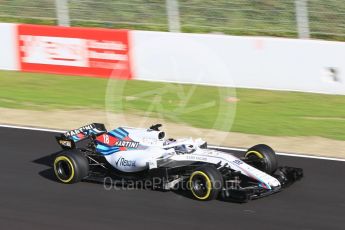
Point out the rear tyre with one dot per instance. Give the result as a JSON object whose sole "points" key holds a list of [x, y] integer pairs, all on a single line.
{"points": [[205, 183], [263, 158], [71, 167]]}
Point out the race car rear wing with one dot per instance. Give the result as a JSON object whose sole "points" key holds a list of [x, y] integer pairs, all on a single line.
{"points": [[68, 139]]}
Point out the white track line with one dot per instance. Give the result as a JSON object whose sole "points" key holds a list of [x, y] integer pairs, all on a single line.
{"points": [[212, 146], [284, 154], [32, 128]]}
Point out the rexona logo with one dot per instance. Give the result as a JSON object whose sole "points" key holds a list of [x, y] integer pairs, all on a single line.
{"points": [[125, 163], [128, 144], [238, 162], [80, 130]]}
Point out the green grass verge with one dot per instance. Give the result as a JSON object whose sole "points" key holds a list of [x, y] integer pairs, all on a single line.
{"points": [[262, 112]]}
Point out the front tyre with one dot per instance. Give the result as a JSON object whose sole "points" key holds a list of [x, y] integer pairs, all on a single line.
{"points": [[205, 183], [71, 167], [263, 158]]}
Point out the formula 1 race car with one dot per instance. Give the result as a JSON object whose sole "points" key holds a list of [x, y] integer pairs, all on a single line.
{"points": [[92, 153]]}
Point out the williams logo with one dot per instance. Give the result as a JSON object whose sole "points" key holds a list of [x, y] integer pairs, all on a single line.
{"points": [[125, 163], [128, 144]]}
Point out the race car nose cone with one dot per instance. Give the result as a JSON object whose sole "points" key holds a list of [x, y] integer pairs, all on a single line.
{"points": [[274, 183]]}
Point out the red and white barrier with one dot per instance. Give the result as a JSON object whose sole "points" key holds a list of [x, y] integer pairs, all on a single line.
{"points": [[72, 50], [236, 61], [65, 50]]}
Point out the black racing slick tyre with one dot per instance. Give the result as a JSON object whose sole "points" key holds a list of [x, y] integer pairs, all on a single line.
{"points": [[263, 157], [71, 167], [205, 183]]}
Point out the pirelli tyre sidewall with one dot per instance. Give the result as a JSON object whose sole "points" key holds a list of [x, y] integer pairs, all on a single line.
{"points": [[205, 183], [267, 154], [71, 167]]}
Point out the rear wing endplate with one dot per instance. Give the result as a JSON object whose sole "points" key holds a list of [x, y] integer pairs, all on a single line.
{"points": [[68, 139]]}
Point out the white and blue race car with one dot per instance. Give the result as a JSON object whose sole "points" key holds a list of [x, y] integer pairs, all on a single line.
{"points": [[92, 153]]}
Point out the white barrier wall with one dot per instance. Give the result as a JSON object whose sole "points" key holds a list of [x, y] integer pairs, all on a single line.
{"points": [[249, 62], [8, 47]]}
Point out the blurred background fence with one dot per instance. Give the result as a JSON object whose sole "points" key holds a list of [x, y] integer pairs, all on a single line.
{"points": [[323, 19]]}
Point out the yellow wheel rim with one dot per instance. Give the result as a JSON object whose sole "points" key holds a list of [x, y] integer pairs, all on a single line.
{"points": [[69, 162], [256, 153], [208, 185]]}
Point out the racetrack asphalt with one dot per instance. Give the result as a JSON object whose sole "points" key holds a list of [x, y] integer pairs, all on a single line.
{"points": [[32, 199]]}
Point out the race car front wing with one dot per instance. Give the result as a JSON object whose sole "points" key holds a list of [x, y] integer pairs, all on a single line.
{"points": [[285, 175]]}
